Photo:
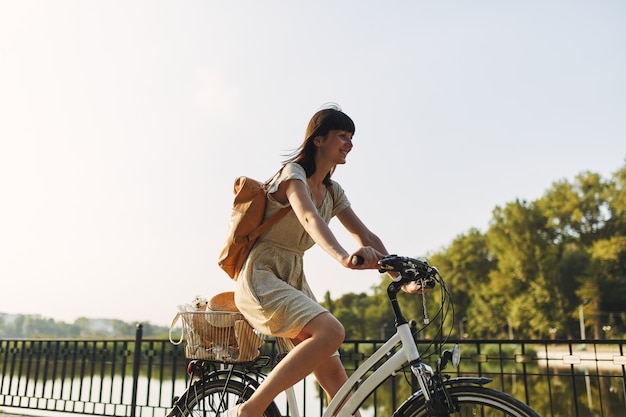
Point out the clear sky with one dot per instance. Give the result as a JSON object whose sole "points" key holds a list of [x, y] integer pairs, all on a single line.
{"points": [[123, 125]]}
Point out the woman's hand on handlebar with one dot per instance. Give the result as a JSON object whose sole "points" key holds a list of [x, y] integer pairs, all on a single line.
{"points": [[365, 257], [414, 287]]}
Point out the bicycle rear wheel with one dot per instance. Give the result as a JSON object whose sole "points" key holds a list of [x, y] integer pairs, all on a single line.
{"points": [[473, 401], [213, 398]]}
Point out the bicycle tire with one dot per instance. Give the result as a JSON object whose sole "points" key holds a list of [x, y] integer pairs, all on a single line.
{"points": [[472, 401], [213, 398]]}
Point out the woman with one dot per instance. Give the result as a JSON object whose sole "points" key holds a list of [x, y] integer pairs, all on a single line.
{"points": [[272, 291]]}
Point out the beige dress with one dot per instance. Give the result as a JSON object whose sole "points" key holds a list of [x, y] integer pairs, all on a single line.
{"points": [[271, 291]]}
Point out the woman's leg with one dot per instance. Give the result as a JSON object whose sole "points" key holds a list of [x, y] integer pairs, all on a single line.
{"points": [[321, 337], [331, 375]]}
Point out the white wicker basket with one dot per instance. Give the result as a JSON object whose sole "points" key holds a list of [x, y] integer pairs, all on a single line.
{"points": [[217, 335]]}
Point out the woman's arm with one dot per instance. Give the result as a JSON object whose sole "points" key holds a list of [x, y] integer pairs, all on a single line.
{"points": [[295, 191], [366, 238], [359, 231], [372, 248]]}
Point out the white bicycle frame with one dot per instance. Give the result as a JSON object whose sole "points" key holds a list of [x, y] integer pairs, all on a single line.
{"points": [[347, 402]]}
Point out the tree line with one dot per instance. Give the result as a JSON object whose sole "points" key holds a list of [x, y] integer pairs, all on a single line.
{"points": [[31, 326], [540, 269]]}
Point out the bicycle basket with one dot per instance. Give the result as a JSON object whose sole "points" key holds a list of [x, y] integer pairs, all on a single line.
{"points": [[217, 335]]}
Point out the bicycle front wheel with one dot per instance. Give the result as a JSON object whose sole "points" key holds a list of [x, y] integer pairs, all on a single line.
{"points": [[473, 401], [213, 398]]}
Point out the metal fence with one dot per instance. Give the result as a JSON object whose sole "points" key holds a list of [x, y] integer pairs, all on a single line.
{"points": [[140, 377]]}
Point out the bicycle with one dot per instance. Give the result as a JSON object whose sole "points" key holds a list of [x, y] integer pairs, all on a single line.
{"points": [[218, 387]]}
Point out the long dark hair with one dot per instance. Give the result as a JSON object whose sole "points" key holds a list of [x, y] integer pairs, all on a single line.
{"points": [[328, 118]]}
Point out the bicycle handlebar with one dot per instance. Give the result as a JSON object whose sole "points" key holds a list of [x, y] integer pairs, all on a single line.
{"points": [[357, 260], [410, 269]]}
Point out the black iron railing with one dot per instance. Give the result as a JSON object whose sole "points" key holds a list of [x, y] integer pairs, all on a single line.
{"points": [[140, 377]]}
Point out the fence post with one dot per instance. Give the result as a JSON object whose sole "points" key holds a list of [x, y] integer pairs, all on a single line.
{"points": [[136, 363]]}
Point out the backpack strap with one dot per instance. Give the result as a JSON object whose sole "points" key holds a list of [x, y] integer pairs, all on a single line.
{"points": [[276, 217]]}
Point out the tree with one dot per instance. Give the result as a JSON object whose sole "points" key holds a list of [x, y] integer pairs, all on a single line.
{"points": [[466, 265], [521, 288], [616, 203], [579, 216]]}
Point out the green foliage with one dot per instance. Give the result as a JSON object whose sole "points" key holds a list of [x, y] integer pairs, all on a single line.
{"points": [[32, 326], [528, 275]]}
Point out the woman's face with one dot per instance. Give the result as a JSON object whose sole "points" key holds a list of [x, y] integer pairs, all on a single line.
{"points": [[336, 146]]}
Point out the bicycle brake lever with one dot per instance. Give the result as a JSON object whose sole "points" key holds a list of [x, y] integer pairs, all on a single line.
{"points": [[385, 268]]}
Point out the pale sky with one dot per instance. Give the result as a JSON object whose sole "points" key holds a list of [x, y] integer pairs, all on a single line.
{"points": [[124, 124]]}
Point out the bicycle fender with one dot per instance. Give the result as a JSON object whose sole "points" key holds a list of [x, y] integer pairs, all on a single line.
{"points": [[448, 383], [467, 380], [224, 373]]}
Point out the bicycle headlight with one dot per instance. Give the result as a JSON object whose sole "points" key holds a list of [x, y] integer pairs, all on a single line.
{"points": [[450, 356], [456, 356]]}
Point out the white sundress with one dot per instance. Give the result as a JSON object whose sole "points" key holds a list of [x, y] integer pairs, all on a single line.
{"points": [[272, 292]]}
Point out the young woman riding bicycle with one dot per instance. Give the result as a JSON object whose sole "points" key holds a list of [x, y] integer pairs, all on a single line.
{"points": [[272, 292]]}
